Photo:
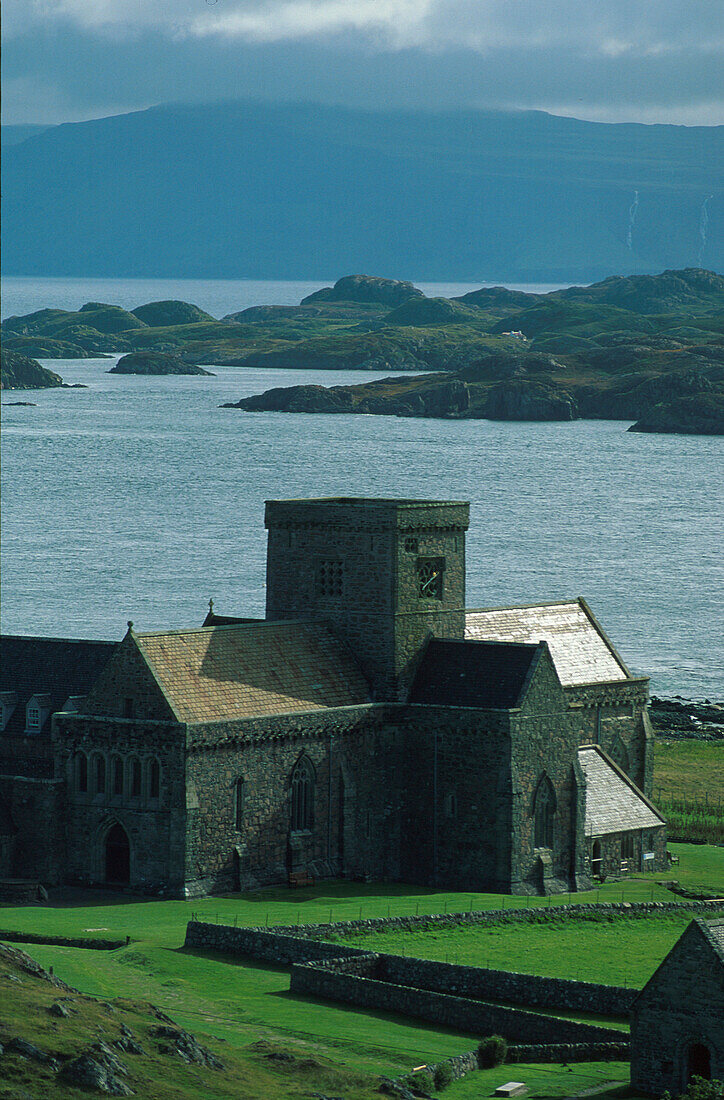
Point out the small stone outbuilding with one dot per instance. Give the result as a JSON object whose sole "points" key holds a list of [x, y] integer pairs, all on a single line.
{"points": [[677, 1021]]}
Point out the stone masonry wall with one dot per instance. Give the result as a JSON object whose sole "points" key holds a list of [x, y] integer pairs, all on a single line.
{"points": [[368, 983], [544, 742], [37, 810], [681, 1006], [155, 826]]}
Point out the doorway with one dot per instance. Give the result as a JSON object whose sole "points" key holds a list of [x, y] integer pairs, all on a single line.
{"points": [[118, 856], [698, 1062]]}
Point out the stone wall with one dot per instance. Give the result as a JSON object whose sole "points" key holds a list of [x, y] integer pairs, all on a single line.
{"points": [[155, 827], [38, 844], [372, 982], [614, 715], [682, 1006], [376, 546]]}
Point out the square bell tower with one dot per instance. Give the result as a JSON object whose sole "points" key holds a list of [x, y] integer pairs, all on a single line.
{"points": [[386, 574]]}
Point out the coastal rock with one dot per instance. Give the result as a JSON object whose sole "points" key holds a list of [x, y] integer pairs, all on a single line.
{"points": [[40, 347], [309, 399], [20, 372], [366, 288], [702, 414], [155, 362], [172, 312], [521, 399]]}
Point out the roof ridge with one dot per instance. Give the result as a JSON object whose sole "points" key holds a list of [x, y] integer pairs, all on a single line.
{"points": [[307, 621], [524, 606]]}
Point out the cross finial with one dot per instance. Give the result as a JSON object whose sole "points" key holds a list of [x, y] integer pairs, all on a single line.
{"points": [[130, 624], [211, 606]]}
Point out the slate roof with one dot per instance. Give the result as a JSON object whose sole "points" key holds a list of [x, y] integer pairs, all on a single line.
{"points": [[252, 670], [473, 674], [613, 803], [58, 667], [714, 932], [580, 650]]}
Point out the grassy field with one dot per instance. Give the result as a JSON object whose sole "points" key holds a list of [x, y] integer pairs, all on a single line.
{"points": [[542, 1080], [240, 1002], [619, 951], [689, 788]]}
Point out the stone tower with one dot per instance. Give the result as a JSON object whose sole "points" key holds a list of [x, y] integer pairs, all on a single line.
{"points": [[385, 573]]}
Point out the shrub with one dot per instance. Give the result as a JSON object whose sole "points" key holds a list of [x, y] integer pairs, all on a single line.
{"points": [[492, 1052], [700, 1089], [443, 1075], [422, 1081]]}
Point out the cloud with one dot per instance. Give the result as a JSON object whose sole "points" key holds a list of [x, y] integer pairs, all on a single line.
{"points": [[614, 60]]}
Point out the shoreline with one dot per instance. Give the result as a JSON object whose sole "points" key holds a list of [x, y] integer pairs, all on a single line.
{"points": [[678, 717]]}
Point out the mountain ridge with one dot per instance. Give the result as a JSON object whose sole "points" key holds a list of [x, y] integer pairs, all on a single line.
{"points": [[253, 190]]}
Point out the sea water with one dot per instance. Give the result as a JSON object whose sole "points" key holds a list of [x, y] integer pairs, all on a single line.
{"points": [[139, 498]]}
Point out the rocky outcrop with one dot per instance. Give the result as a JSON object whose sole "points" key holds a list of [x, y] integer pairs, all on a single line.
{"points": [[172, 312], [41, 347], [308, 399], [521, 399], [155, 362], [701, 414], [186, 1047], [20, 372], [432, 311], [98, 1068], [366, 288]]}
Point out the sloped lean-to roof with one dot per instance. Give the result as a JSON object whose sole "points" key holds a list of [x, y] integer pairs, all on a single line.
{"points": [[613, 803], [580, 650], [252, 670], [473, 674]]}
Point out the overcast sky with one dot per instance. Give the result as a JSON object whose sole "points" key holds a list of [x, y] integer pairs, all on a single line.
{"points": [[609, 60]]}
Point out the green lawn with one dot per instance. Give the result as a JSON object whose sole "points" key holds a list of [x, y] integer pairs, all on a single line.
{"points": [[686, 767], [545, 1080], [240, 1001], [620, 951]]}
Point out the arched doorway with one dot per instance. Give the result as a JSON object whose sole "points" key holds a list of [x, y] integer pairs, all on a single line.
{"points": [[698, 1062], [118, 856]]}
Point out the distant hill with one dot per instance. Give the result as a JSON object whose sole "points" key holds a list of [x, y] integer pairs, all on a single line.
{"points": [[285, 191]]}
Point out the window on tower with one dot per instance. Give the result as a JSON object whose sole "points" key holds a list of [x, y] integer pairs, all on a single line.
{"points": [[329, 578], [430, 578]]}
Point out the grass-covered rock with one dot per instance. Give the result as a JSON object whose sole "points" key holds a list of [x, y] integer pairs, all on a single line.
{"points": [[700, 414], [155, 362], [172, 312], [20, 372], [432, 311], [366, 288]]}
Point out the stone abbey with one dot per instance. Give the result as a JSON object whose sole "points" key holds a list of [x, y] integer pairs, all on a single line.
{"points": [[371, 726]]}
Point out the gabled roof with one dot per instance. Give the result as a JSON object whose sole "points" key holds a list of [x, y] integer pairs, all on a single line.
{"points": [[58, 667], [613, 803], [711, 931], [252, 670], [580, 650], [473, 674]]}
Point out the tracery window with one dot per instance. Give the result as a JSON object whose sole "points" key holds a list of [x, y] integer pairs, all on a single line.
{"points": [[154, 779], [329, 578], [136, 781], [627, 846], [117, 776], [81, 772], [99, 774], [429, 578], [544, 813], [239, 803], [302, 796]]}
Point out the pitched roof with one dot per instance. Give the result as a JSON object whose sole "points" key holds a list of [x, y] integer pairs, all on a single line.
{"points": [[580, 650], [472, 674], [613, 803], [251, 670], [58, 667], [714, 932]]}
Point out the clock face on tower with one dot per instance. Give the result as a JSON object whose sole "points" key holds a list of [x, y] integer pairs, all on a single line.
{"points": [[429, 578]]}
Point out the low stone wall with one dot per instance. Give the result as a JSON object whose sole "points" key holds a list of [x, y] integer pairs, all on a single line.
{"points": [[570, 1052], [504, 985], [366, 982], [533, 914], [62, 941], [261, 943]]}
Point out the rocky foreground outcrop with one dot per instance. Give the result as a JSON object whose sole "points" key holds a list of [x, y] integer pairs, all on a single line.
{"points": [[20, 372], [155, 362]]}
